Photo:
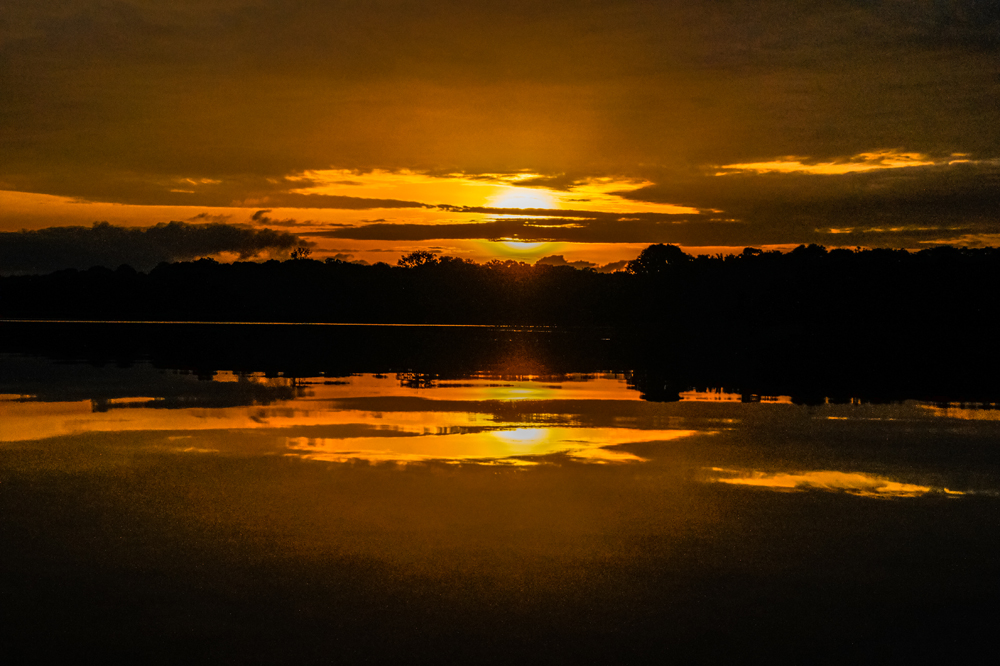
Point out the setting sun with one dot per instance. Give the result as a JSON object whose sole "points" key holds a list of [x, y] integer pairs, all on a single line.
{"points": [[523, 197]]}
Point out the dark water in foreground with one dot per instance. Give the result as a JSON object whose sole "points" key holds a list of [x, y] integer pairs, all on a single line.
{"points": [[172, 512]]}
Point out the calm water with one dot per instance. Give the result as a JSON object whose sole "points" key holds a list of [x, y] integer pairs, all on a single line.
{"points": [[157, 514]]}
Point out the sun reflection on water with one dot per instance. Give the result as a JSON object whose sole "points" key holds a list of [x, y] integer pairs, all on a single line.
{"points": [[526, 436], [513, 445], [512, 417]]}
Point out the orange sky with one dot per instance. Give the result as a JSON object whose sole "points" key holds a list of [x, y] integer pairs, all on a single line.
{"points": [[591, 129]]}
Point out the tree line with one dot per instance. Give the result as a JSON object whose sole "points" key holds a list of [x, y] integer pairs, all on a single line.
{"points": [[807, 291]]}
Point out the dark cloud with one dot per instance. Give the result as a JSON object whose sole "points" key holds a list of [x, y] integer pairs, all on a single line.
{"points": [[560, 260], [612, 267], [556, 216], [920, 203], [242, 190], [166, 90], [261, 218], [207, 217], [293, 200], [561, 181], [56, 248], [692, 233], [630, 230]]}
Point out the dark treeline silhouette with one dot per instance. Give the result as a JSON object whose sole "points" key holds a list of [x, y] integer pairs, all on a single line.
{"points": [[655, 361], [808, 291], [810, 323]]}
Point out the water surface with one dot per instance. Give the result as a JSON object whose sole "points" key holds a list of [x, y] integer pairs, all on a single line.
{"points": [[231, 515]]}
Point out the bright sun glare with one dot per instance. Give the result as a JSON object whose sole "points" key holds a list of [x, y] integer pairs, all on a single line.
{"points": [[520, 246], [521, 436], [523, 197]]}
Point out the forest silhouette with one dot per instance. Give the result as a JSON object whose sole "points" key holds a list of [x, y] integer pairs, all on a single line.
{"points": [[812, 290], [812, 323]]}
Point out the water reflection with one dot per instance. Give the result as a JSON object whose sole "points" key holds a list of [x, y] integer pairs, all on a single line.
{"points": [[527, 505], [142, 498], [719, 395], [865, 485], [963, 412], [362, 417], [874, 450], [519, 446]]}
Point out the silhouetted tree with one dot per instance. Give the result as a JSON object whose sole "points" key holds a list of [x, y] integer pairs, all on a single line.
{"points": [[418, 258], [655, 259]]}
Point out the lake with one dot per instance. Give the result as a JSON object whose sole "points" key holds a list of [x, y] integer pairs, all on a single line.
{"points": [[221, 495]]}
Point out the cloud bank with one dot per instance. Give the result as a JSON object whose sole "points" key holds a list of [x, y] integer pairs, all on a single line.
{"points": [[248, 90], [560, 260], [103, 244]]}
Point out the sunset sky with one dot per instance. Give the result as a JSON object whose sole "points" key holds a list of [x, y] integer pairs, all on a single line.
{"points": [[581, 130]]}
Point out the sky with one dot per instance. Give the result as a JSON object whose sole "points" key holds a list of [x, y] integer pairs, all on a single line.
{"points": [[576, 132]]}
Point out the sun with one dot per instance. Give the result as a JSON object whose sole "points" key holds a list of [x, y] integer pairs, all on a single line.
{"points": [[522, 246], [523, 197]]}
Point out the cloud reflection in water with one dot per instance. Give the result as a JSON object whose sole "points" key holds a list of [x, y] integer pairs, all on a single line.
{"points": [[853, 483], [86, 416], [513, 446]]}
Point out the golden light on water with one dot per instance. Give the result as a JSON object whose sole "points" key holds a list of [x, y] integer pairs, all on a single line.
{"points": [[853, 483], [522, 436], [512, 446], [381, 421], [510, 419]]}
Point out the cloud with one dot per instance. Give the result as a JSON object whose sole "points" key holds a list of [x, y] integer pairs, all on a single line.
{"points": [[901, 207], [624, 230], [613, 266], [883, 159], [206, 217], [552, 215], [56, 248], [563, 182], [252, 88], [249, 92], [560, 260], [261, 218], [294, 200], [101, 184]]}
